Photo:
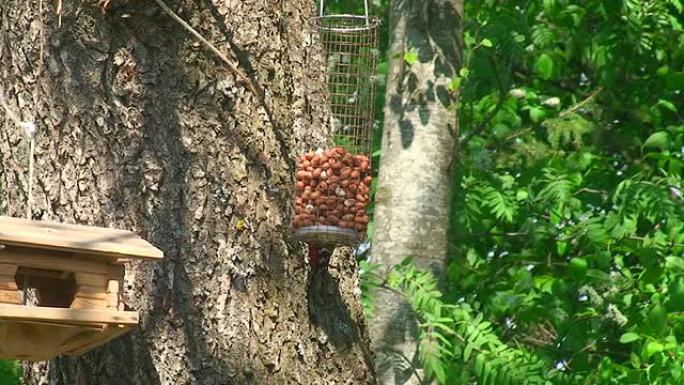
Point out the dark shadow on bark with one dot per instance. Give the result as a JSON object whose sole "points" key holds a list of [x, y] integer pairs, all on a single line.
{"points": [[115, 362], [154, 43], [329, 311], [242, 57], [170, 77], [430, 30]]}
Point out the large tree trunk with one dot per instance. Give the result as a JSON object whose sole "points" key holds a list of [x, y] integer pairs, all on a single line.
{"points": [[418, 149], [142, 128]]}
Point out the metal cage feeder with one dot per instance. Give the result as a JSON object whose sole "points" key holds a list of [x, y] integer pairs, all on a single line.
{"points": [[337, 213], [351, 48]]}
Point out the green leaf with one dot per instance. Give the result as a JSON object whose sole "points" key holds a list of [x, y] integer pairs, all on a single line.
{"points": [[537, 114], [578, 268], [411, 56], [629, 337], [487, 43], [598, 275], [549, 5], [674, 263], [652, 348], [657, 319], [658, 139], [544, 66], [454, 84], [467, 352], [667, 105], [521, 195]]}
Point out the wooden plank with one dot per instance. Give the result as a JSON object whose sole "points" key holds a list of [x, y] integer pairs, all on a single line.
{"points": [[91, 292], [89, 302], [84, 343], [93, 248], [17, 221], [8, 286], [67, 316], [32, 342], [95, 280], [8, 268], [41, 341], [8, 281], [12, 297], [81, 239], [113, 294], [60, 229], [43, 260], [91, 327]]}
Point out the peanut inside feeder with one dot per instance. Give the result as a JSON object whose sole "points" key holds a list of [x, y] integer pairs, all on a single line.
{"points": [[332, 194]]}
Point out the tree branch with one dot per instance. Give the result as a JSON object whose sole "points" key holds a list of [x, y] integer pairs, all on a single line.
{"points": [[582, 103]]}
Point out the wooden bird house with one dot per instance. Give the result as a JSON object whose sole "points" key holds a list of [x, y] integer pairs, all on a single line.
{"points": [[75, 274]]}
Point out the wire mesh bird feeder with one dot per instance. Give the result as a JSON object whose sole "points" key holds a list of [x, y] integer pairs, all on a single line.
{"points": [[333, 185], [351, 48]]}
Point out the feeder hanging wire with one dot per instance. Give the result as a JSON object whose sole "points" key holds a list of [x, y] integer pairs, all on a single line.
{"points": [[365, 8]]}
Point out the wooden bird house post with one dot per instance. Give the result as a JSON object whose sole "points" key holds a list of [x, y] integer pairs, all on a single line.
{"points": [[76, 273]]}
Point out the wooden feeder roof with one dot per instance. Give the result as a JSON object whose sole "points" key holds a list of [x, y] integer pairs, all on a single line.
{"points": [[76, 273], [94, 241]]}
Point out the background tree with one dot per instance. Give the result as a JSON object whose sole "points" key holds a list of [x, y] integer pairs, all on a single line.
{"points": [[566, 265], [141, 128], [418, 150]]}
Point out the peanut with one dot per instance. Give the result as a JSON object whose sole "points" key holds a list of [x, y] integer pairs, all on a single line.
{"points": [[332, 189]]}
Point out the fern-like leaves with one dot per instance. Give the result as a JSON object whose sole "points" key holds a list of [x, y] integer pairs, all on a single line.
{"points": [[454, 340]]}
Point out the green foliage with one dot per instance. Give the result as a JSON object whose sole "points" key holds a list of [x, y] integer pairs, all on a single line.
{"points": [[457, 343], [10, 371], [567, 260]]}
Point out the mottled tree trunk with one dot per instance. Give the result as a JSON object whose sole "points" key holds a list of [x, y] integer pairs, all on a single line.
{"points": [[418, 151], [141, 128]]}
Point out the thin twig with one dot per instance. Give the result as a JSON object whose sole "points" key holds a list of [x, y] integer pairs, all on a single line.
{"points": [[42, 35], [59, 13], [582, 103], [518, 134], [591, 191], [491, 234], [231, 65], [561, 114], [29, 203]]}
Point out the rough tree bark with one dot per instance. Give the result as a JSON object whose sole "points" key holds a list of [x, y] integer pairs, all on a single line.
{"points": [[418, 149], [141, 128]]}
